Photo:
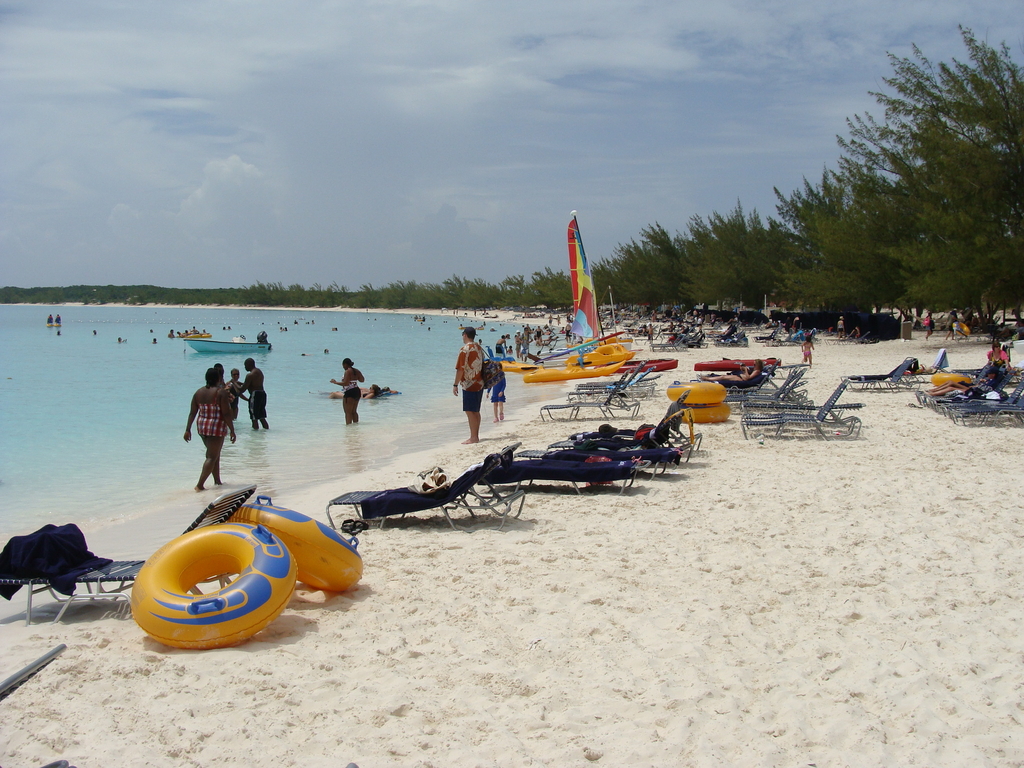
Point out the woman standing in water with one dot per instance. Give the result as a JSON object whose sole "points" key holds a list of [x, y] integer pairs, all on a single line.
{"points": [[210, 404], [351, 394]]}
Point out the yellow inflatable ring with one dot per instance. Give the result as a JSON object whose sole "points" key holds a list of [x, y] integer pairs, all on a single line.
{"points": [[325, 559], [164, 609], [701, 392], [938, 379], [710, 414]]}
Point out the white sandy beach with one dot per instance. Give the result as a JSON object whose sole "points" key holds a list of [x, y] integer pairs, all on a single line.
{"points": [[854, 603]]}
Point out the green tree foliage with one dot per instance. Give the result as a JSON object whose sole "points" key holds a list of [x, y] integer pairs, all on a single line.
{"points": [[734, 257], [549, 288], [949, 159], [652, 271], [840, 243]]}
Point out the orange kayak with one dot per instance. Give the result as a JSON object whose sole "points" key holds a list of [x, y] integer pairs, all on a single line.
{"points": [[572, 372]]}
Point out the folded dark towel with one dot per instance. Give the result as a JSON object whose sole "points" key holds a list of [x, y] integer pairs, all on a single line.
{"points": [[57, 553]]}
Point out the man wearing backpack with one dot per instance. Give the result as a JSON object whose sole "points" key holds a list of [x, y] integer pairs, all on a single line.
{"points": [[469, 374]]}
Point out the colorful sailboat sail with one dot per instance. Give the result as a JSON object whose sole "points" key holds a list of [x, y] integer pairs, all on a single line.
{"points": [[585, 322]]}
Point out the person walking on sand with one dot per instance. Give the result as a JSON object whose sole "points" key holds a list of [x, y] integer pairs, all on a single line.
{"points": [[253, 384], [953, 320], [352, 394], [808, 349], [469, 374], [210, 404]]}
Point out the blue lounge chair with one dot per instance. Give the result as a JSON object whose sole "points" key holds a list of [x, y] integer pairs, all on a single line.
{"points": [[461, 494], [980, 412], [787, 393], [614, 404], [827, 422], [103, 579], [655, 458], [512, 471], [898, 378]]}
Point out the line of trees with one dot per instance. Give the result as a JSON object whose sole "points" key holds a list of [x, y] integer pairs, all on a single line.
{"points": [[925, 209], [547, 288]]}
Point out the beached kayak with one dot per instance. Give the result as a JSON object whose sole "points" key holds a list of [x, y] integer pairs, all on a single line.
{"points": [[571, 372], [649, 365]]}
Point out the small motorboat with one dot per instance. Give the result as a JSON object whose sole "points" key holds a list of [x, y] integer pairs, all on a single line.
{"points": [[238, 345]]}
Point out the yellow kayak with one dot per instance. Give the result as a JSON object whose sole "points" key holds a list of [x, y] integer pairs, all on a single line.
{"points": [[571, 372], [510, 367]]}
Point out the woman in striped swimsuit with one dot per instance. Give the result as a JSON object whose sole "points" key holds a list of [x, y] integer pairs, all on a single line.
{"points": [[213, 408]]}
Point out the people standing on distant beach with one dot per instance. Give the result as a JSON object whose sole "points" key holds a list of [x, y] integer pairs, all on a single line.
{"points": [[469, 375], [210, 404], [352, 394], [807, 347], [257, 395]]}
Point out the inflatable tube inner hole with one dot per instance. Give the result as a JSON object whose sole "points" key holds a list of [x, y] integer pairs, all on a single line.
{"points": [[213, 584], [216, 569]]}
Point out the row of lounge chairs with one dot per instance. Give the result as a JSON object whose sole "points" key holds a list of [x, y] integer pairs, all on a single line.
{"points": [[692, 340], [968, 411], [901, 377], [829, 421], [600, 400]]}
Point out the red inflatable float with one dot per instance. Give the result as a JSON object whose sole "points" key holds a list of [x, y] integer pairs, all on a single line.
{"points": [[727, 364]]}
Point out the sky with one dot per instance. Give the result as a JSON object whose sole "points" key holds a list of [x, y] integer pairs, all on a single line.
{"points": [[217, 143]]}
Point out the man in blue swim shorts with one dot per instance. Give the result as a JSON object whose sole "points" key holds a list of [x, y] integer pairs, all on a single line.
{"points": [[469, 374]]}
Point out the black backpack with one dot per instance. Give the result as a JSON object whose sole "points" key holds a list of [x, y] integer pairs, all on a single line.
{"points": [[492, 373]]}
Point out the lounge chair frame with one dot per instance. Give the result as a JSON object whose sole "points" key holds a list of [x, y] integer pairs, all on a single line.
{"points": [[896, 380], [615, 404], [112, 582], [827, 422], [507, 457], [466, 496]]}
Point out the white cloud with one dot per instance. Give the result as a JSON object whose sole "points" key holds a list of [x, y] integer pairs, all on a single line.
{"points": [[370, 141]]}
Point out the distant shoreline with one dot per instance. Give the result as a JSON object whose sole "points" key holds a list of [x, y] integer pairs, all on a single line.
{"points": [[503, 316]]}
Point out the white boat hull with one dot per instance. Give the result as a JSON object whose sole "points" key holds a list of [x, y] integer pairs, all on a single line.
{"points": [[227, 347]]}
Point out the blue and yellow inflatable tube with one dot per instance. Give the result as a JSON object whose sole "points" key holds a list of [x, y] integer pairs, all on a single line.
{"points": [[326, 560], [164, 608]]}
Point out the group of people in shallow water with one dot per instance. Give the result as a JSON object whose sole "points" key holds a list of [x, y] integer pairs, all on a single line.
{"points": [[351, 393], [214, 410]]}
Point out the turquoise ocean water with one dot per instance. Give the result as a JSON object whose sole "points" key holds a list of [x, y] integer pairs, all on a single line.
{"points": [[91, 430]]}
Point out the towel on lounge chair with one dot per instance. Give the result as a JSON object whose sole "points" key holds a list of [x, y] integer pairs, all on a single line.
{"points": [[57, 553]]}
